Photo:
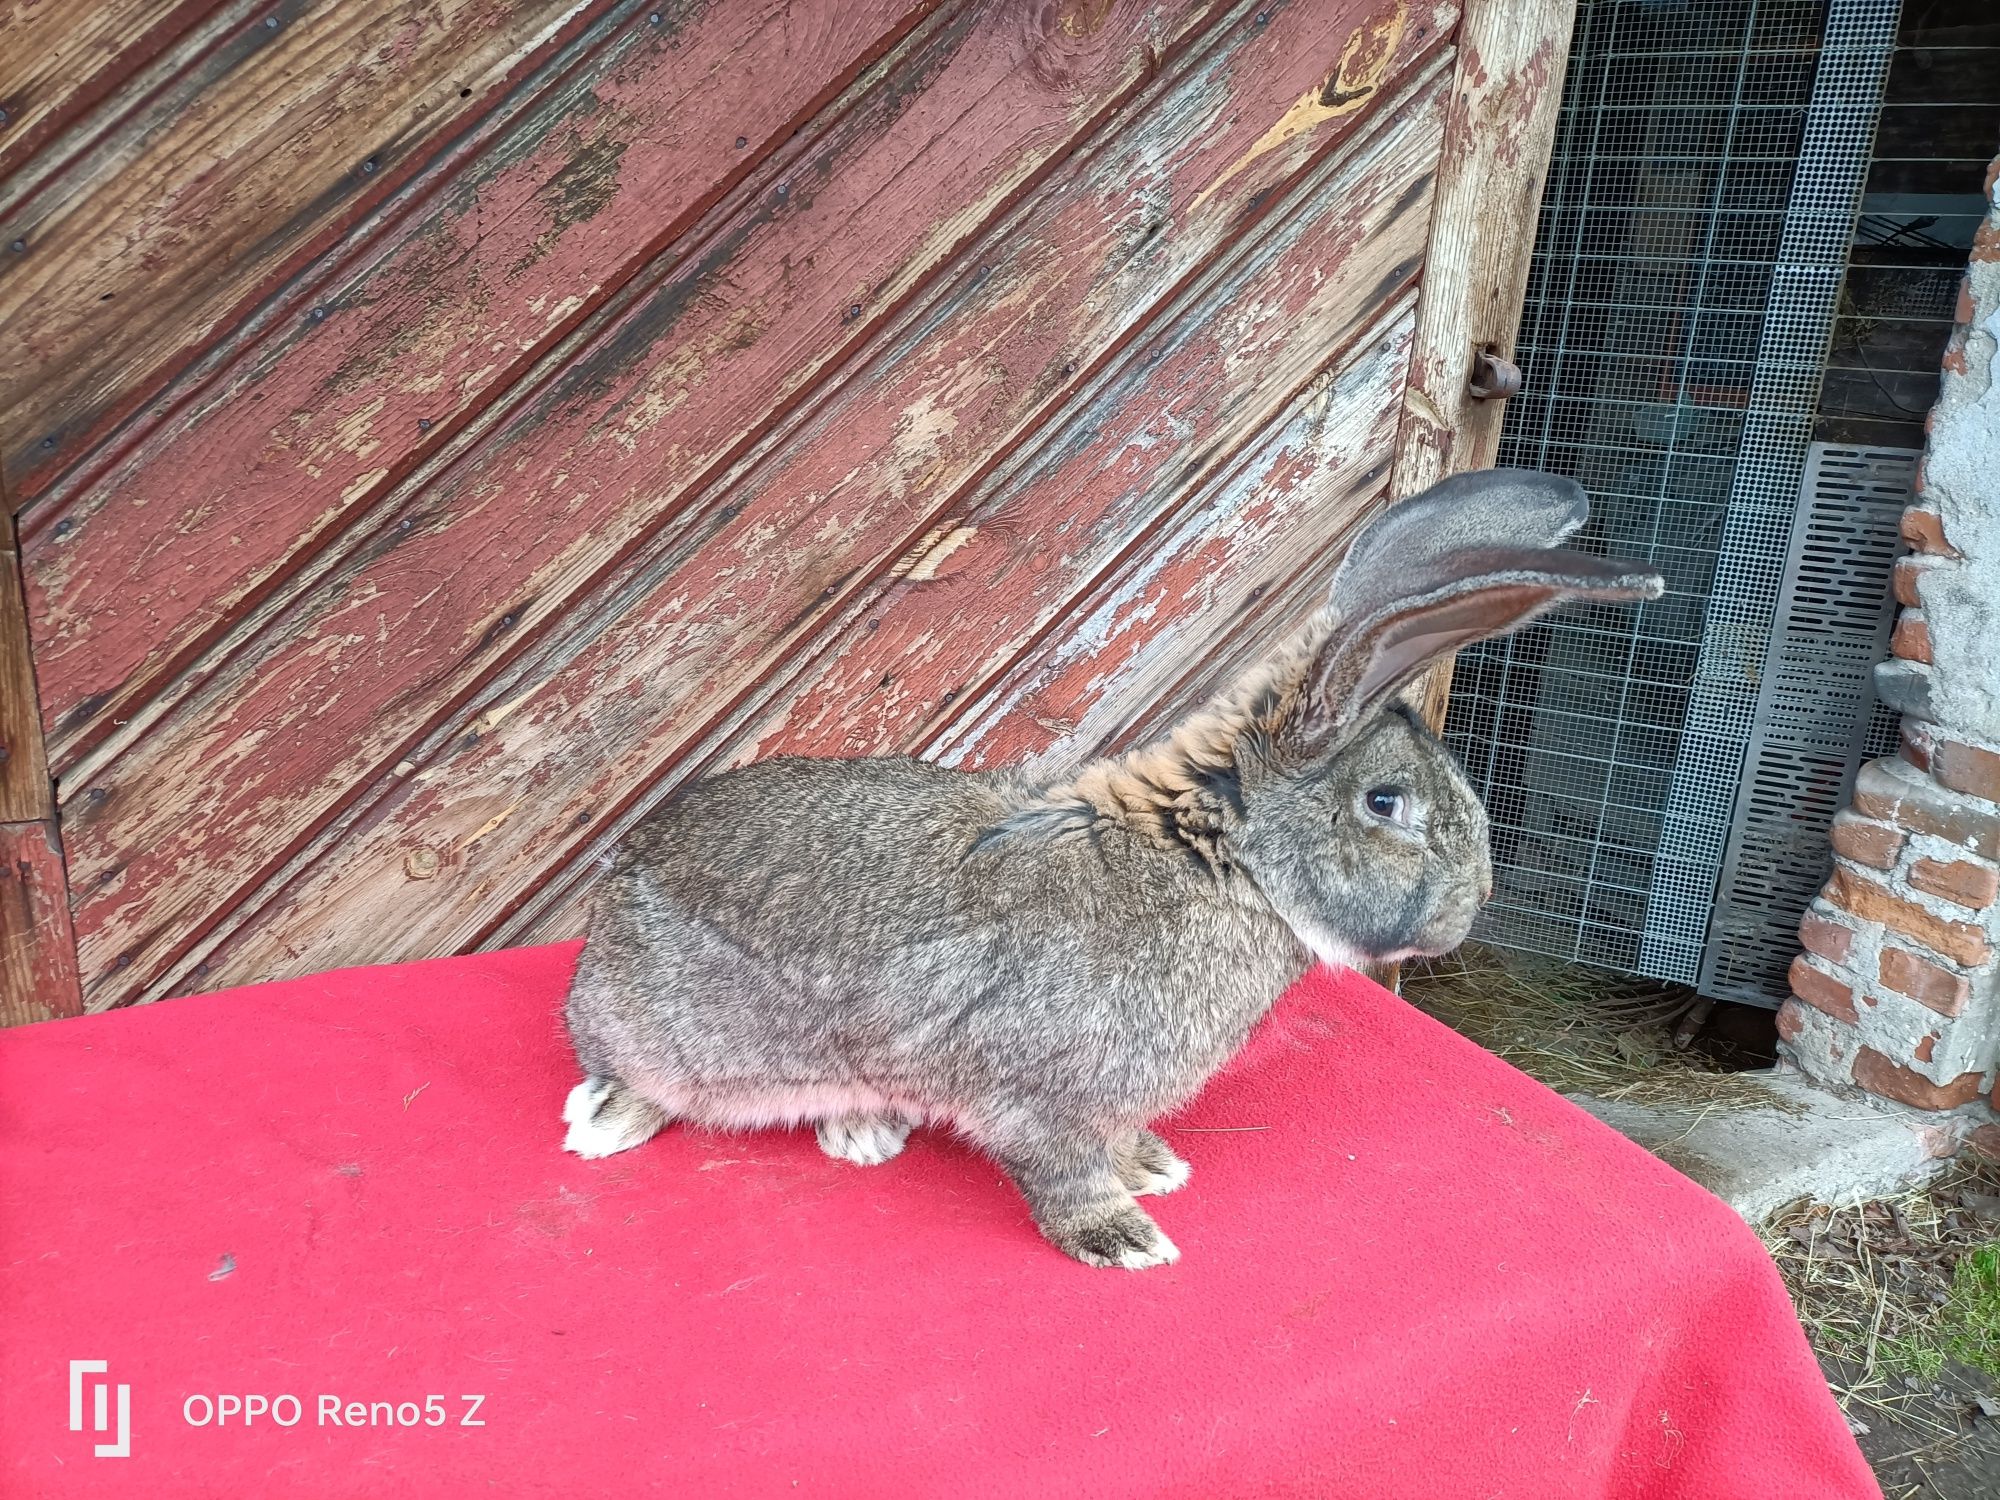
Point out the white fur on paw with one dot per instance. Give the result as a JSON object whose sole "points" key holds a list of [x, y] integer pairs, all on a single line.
{"points": [[865, 1140], [1175, 1176], [584, 1098], [614, 1124], [1162, 1252]]}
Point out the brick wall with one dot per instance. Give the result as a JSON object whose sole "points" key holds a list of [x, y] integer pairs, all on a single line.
{"points": [[1897, 989]]}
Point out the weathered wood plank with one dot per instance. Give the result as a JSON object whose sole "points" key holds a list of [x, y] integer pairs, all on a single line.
{"points": [[1300, 494], [1205, 598], [38, 973], [292, 123], [58, 58], [1512, 56], [25, 791], [38, 966], [983, 587], [701, 619], [1099, 502], [688, 373], [339, 402]]}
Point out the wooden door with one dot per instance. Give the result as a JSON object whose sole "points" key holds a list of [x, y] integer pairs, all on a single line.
{"points": [[438, 428]]}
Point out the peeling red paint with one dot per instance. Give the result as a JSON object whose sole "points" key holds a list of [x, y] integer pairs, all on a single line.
{"points": [[989, 403], [736, 592]]}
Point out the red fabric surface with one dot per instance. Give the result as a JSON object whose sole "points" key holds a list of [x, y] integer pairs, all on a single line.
{"points": [[1408, 1271]]}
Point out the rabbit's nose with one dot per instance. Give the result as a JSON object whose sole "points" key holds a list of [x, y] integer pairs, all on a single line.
{"points": [[1486, 891]]}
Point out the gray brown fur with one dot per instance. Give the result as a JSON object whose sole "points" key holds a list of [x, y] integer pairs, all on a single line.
{"points": [[1048, 966]]}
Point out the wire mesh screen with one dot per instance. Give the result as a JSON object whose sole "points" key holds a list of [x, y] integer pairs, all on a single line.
{"points": [[1700, 203]]}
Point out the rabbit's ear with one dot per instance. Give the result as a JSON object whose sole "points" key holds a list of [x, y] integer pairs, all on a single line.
{"points": [[1395, 621], [1472, 512]]}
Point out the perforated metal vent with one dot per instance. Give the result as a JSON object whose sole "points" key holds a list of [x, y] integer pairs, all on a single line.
{"points": [[1816, 719]]}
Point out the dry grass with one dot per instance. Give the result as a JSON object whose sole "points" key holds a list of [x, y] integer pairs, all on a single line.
{"points": [[1578, 1030], [1901, 1299]]}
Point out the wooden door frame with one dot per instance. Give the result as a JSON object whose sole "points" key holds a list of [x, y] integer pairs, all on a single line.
{"points": [[1499, 134], [1500, 130]]}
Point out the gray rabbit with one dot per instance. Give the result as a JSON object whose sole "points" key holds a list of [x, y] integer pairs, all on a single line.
{"points": [[1048, 965]]}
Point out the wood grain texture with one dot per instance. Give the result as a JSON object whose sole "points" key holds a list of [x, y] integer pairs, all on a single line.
{"points": [[132, 577], [982, 588], [1124, 502], [58, 58], [1240, 560], [38, 972], [38, 965], [687, 371], [702, 617], [1303, 489], [1512, 57], [25, 790], [285, 128]]}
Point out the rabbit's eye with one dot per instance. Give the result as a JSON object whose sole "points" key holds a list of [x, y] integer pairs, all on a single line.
{"points": [[1389, 803]]}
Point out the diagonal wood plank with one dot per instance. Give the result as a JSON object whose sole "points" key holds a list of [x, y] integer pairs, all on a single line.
{"points": [[986, 585], [57, 60], [1304, 490], [282, 126], [562, 752], [605, 448], [1196, 604], [131, 576]]}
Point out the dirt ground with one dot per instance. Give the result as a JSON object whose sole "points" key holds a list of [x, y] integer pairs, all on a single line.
{"points": [[1900, 1297]]}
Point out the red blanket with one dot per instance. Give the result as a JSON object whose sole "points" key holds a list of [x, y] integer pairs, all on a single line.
{"points": [[1408, 1271]]}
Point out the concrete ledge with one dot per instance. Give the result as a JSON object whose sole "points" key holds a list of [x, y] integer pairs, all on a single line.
{"points": [[1780, 1138]]}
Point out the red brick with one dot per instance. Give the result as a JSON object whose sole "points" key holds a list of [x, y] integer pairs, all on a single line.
{"points": [[1967, 768], [1927, 1047], [1829, 940], [1904, 581], [1917, 741], [1912, 639], [1962, 313], [1924, 530], [1791, 1020], [1923, 981], [1957, 880], [1822, 991], [1958, 941], [1866, 843], [1985, 1139], [1890, 1080], [1889, 789]]}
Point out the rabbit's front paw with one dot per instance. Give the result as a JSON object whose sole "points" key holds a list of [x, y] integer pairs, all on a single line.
{"points": [[865, 1140], [605, 1117], [1147, 1164], [1120, 1237]]}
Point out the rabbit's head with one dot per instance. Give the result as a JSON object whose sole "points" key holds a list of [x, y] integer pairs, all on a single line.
{"points": [[1353, 820]]}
